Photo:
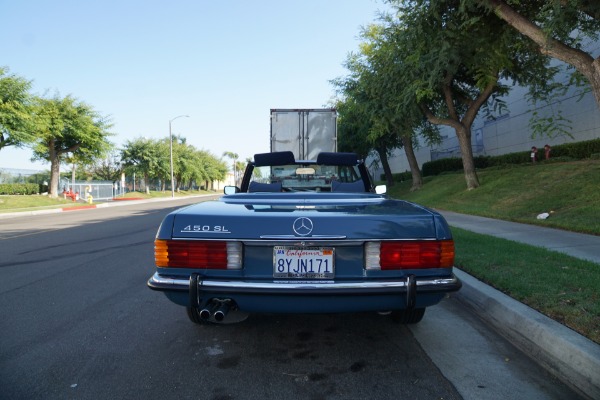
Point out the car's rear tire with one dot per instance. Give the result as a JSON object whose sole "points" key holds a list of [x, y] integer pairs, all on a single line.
{"points": [[413, 316], [194, 315]]}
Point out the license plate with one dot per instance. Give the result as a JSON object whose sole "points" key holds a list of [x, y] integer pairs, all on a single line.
{"points": [[303, 262]]}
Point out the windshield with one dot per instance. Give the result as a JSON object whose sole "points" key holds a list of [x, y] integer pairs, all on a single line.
{"points": [[306, 177]]}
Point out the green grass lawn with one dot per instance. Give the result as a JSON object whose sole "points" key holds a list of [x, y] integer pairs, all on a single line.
{"points": [[32, 203], [562, 287], [519, 193], [41, 202]]}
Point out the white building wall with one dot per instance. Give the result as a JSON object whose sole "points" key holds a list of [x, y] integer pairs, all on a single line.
{"points": [[510, 133]]}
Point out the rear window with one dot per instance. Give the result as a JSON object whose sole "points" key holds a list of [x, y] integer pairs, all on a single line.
{"points": [[306, 177]]}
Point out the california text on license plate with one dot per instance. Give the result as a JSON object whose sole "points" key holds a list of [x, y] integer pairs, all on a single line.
{"points": [[303, 262]]}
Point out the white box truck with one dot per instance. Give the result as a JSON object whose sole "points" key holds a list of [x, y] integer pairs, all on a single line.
{"points": [[305, 132]]}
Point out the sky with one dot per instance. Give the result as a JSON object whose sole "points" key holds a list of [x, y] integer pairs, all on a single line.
{"points": [[145, 62]]}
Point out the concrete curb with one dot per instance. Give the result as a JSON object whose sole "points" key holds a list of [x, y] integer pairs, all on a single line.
{"points": [[569, 356], [92, 206], [30, 213]]}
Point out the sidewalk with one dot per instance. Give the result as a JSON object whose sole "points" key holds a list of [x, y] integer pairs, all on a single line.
{"points": [[569, 356], [578, 245]]}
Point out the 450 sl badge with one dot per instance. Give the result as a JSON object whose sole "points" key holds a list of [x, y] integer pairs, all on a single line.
{"points": [[206, 229]]}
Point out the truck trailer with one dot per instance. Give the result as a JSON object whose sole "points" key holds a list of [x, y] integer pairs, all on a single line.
{"points": [[305, 132]]}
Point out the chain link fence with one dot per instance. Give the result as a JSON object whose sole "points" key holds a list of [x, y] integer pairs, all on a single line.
{"points": [[98, 190]]}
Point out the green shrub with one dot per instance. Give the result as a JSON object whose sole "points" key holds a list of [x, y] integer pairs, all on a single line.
{"points": [[442, 165], [19, 188], [398, 177], [521, 157], [562, 152], [578, 150]]}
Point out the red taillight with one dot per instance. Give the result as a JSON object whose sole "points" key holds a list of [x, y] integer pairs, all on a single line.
{"points": [[197, 254], [416, 254]]}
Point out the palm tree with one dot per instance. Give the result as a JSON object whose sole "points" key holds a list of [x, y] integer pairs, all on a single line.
{"points": [[234, 157]]}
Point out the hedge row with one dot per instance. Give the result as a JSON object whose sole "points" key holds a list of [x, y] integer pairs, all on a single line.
{"points": [[576, 151], [19, 188], [399, 177]]}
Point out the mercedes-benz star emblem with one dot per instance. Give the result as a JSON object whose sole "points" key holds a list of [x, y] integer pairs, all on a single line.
{"points": [[303, 226]]}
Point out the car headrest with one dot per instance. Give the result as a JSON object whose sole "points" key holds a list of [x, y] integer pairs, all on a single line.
{"points": [[264, 187], [276, 158], [351, 187], [327, 158]]}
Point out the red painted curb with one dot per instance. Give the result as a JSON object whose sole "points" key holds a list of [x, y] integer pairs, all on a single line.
{"points": [[78, 208], [128, 198]]}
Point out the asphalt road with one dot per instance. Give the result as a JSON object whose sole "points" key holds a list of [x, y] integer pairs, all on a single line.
{"points": [[78, 322]]}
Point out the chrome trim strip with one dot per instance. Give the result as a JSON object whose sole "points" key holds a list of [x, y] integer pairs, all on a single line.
{"points": [[294, 237], [261, 241], [299, 241], [281, 199]]}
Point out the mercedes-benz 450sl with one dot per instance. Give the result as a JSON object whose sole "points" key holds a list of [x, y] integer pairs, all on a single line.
{"points": [[310, 236]]}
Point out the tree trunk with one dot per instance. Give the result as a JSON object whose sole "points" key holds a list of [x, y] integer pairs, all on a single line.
{"points": [[54, 176], [595, 80], [54, 170], [464, 140], [73, 175], [389, 178], [580, 60], [147, 183], [417, 179]]}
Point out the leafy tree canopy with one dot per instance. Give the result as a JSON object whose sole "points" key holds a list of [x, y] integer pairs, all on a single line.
{"points": [[15, 110], [63, 126]]}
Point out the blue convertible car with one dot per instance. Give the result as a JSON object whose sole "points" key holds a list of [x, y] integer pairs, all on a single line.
{"points": [[304, 237]]}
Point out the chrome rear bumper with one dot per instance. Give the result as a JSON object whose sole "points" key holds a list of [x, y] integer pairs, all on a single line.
{"points": [[427, 284]]}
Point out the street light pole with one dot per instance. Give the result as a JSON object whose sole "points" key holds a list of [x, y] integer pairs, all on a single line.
{"points": [[171, 151]]}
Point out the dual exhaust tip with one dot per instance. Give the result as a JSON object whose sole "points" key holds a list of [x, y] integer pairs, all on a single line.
{"points": [[217, 309]]}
